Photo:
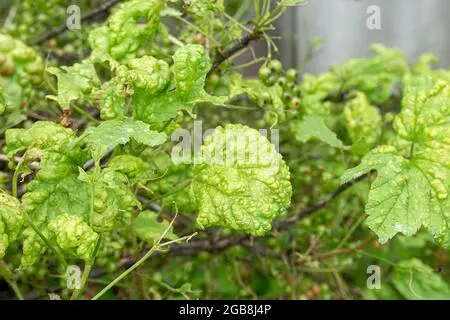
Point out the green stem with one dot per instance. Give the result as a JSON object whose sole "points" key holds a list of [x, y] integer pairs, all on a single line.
{"points": [[16, 289], [87, 270], [125, 273], [6, 273], [14, 180], [175, 40], [265, 8], [94, 178], [172, 192], [193, 26], [350, 232], [242, 10], [86, 114], [411, 150], [140, 261], [256, 5]]}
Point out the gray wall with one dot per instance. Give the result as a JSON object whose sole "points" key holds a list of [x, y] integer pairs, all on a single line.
{"points": [[415, 26]]}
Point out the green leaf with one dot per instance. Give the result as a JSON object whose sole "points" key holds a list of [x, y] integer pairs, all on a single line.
{"points": [[111, 99], [55, 191], [315, 127], [252, 87], [49, 142], [131, 166], [268, 97], [423, 67], [202, 8], [33, 247], [21, 73], [11, 221], [417, 281], [375, 76], [146, 73], [111, 133], [45, 135], [240, 181], [411, 189], [148, 228], [114, 40], [315, 91], [363, 123], [73, 235], [113, 200], [191, 65], [174, 186], [74, 82], [45, 201]]}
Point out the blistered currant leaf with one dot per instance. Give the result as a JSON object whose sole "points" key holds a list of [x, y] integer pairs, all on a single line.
{"points": [[314, 92], [131, 166], [175, 187], [149, 229], [21, 73], [42, 135], [251, 87], [146, 73], [315, 127], [33, 247], [110, 99], [191, 64], [375, 76], [423, 67], [98, 39], [113, 200], [240, 181], [418, 281], [423, 64], [201, 8], [133, 24], [73, 235], [49, 142], [55, 190], [411, 189], [363, 123], [268, 97], [111, 133], [45, 201], [74, 82], [11, 221]]}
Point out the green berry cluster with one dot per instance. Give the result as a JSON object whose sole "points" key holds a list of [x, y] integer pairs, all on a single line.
{"points": [[34, 17], [273, 73]]}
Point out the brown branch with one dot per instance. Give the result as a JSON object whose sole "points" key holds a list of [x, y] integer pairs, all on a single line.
{"points": [[223, 243], [285, 224], [342, 251], [236, 47], [88, 16]]}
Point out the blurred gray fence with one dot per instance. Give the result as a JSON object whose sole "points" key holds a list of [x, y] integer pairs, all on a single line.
{"points": [[415, 26]]}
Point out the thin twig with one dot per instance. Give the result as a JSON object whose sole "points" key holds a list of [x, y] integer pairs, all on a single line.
{"points": [[285, 224], [239, 45], [217, 245], [90, 15]]}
